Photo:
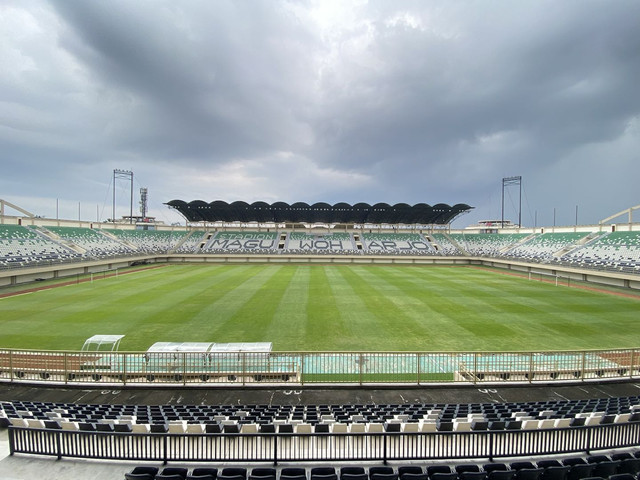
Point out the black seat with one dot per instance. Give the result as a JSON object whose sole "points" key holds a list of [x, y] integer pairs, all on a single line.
{"points": [[263, 473], [629, 465], [233, 473], [528, 474], [434, 469], [605, 469], [522, 464], [411, 472], [555, 472], [472, 475], [203, 473], [353, 473], [172, 473], [501, 475], [142, 473], [579, 471], [293, 473], [548, 463], [467, 467], [323, 473]]}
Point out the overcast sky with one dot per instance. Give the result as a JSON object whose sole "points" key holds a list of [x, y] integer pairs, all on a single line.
{"points": [[380, 101]]}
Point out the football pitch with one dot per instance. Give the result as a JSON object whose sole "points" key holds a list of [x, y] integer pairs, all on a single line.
{"points": [[323, 308]]}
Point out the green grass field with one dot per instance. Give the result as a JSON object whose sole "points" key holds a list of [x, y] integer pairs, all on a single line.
{"points": [[312, 308]]}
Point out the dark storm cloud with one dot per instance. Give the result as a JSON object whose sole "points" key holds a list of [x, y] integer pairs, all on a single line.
{"points": [[325, 101]]}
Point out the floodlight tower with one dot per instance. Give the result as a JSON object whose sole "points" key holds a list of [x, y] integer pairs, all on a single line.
{"points": [[144, 195], [122, 174], [506, 182]]}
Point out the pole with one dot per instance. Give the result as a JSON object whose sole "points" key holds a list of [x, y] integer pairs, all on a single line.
{"points": [[57, 210], [131, 202]]}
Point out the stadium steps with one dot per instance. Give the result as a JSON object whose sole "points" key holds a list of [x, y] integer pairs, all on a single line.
{"points": [[508, 248], [456, 244], [54, 237], [593, 236], [113, 237], [181, 242]]}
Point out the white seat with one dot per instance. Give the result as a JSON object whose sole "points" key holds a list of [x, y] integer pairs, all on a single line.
{"points": [[410, 427], [530, 424], [195, 428], [429, 427], [358, 428], [18, 422], [303, 428], [339, 428], [622, 418], [177, 427], [375, 428], [461, 425], [35, 423], [546, 423], [140, 428], [562, 423], [72, 426], [249, 428]]}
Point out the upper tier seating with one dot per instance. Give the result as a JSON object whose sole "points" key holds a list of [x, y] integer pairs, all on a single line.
{"points": [[545, 246], [149, 241], [614, 250], [396, 243], [487, 244], [21, 246], [93, 242]]}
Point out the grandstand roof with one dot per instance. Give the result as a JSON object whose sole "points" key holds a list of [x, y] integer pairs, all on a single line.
{"points": [[300, 212]]}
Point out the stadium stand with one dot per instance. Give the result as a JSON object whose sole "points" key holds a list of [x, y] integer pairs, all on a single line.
{"points": [[22, 246], [546, 246], [94, 243], [149, 241], [397, 243], [487, 244], [330, 243], [443, 244], [242, 242], [620, 250], [479, 416]]}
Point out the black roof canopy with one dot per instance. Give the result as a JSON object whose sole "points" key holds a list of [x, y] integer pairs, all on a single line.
{"points": [[300, 212]]}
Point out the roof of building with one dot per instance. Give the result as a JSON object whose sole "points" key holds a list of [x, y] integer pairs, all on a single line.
{"points": [[300, 212]]}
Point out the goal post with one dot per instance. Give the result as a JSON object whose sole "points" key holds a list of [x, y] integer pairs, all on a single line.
{"points": [[550, 278]]}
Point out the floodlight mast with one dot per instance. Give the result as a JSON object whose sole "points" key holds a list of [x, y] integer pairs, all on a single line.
{"points": [[506, 182], [122, 174]]}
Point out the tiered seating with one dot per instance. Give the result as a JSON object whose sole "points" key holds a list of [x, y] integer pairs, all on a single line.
{"points": [[616, 249], [331, 243], [242, 242], [396, 244], [544, 246], [94, 243], [445, 247], [149, 241], [622, 466], [21, 246], [487, 244], [322, 418], [192, 242]]}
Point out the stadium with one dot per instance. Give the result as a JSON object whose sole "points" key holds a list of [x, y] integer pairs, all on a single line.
{"points": [[320, 342]]}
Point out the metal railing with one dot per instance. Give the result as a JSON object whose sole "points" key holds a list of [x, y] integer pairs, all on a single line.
{"points": [[317, 447], [361, 368]]}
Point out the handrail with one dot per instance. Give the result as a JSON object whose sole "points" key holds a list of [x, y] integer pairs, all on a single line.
{"points": [[285, 447], [359, 368]]}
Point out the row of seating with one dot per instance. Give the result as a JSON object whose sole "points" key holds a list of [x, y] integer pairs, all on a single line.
{"points": [[354, 418], [620, 466]]}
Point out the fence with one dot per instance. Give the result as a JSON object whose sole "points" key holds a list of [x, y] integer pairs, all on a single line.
{"points": [[360, 368], [285, 447]]}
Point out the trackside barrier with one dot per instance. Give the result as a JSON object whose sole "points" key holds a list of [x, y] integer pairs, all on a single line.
{"points": [[316, 447], [247, 368]]}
